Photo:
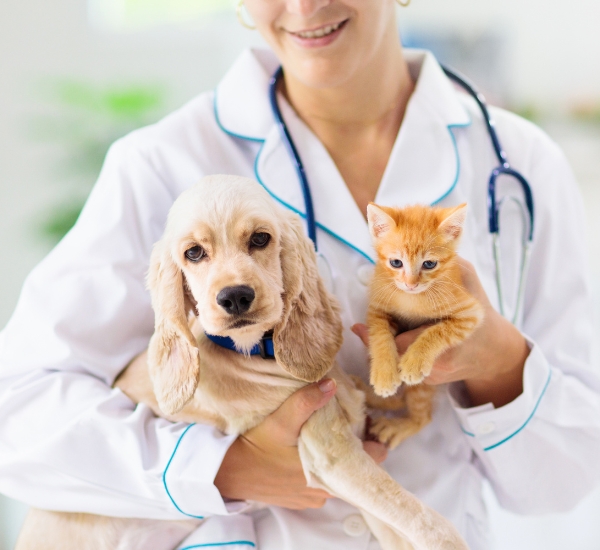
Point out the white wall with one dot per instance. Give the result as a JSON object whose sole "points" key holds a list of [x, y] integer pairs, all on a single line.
{"points": [[554, 60], [555, 46]]}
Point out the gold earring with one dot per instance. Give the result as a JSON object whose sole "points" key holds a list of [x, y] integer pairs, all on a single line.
{"points": [[240, 16], [403, 4]]}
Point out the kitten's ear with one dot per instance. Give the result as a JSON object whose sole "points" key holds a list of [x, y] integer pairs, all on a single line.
{"points": [[379, 222], [454, 220]]}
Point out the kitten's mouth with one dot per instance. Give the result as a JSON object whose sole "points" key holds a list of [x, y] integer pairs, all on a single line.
{"points": [[416, 290]]}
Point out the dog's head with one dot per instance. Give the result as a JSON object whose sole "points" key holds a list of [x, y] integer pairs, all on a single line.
{"points": [[243, 265]]}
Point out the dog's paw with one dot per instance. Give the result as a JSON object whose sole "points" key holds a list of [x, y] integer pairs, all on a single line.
{"points": [[413, 369], [392, 431]]}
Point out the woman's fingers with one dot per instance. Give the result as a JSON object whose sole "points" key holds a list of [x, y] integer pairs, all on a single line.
{"points": [[377, 451], [284, 424], [362, 332]]}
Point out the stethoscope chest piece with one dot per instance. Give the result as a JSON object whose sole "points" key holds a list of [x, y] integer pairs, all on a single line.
{"points": [[325, 272]]}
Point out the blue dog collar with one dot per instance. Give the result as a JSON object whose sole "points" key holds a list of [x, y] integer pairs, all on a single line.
{"points": [[264, 348]]}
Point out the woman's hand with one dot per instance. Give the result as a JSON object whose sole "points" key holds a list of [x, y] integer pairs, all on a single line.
{"points": [[263, 464], [490, 361]]}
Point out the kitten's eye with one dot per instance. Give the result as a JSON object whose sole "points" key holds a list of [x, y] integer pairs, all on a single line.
{"points": [[429, 264], [260, 240], [195, 254], [396, 263]]}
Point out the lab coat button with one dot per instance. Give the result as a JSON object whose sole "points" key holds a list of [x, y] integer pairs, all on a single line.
{"points": [[486, 428], [355, 526], [364, 273]]}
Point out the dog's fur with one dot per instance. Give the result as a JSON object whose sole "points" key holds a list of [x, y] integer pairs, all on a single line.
{"points": [[192, 379]]}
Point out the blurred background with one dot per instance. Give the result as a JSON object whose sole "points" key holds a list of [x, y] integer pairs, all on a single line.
{"points": [[76, 75]]}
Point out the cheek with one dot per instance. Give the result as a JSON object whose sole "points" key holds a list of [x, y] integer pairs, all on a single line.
{"points": [[269, 275], [263, 15]]}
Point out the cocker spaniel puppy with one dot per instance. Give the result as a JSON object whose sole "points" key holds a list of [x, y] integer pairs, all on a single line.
{"points": [[239, 266]]}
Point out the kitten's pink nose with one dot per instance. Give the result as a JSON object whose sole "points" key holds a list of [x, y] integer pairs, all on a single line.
{"points": [[412, 287]]}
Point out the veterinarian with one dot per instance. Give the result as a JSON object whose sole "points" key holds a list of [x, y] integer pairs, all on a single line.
{"points": [[519, 407]]}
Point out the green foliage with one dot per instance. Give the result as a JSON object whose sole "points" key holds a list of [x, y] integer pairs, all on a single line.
{"points": [[82, 120], [530, 112], [62, 218]]}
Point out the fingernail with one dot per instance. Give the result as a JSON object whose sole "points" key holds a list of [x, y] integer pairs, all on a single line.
{"points": [[326, 385]]}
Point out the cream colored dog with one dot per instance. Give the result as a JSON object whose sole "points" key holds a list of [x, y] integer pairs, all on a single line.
{"points": [[243, 266]]}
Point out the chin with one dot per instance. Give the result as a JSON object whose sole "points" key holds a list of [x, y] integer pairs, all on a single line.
{"points": [[322, 71], [246, 338]]}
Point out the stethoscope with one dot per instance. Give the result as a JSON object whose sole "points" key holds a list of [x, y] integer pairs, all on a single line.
{"points": [[494, 205]]}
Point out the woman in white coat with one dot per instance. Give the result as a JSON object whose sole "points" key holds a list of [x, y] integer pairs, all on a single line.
{"points": [[520, 408]]}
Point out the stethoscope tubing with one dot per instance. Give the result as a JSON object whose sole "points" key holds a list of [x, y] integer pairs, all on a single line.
{"points": [[293, 152]]}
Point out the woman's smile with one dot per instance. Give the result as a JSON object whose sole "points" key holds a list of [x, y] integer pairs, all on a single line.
{"points": [[318, 37]]}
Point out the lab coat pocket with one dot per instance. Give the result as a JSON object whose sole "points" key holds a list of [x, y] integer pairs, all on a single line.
{"points": [[234, 532]]}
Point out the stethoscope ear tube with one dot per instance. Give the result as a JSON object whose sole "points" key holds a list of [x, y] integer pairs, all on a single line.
{"points": [[293, 152], [524, 263], [466, 85]]}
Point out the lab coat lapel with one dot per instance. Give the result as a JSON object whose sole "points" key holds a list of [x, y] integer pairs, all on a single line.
{"points": [[424, 165]]}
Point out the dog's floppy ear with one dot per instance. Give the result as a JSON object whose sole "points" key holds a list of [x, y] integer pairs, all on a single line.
{"points": [[310, 332], [173, 359]]}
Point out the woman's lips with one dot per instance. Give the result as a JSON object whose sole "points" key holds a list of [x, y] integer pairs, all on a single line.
{"points": [[320, 37]]}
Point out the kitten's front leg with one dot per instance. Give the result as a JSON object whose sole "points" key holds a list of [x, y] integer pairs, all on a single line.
{"points": [[417, 362], [385, 374]]}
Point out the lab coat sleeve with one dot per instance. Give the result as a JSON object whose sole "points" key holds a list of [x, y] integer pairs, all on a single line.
{"points": [[540, 452], [68, 441]]}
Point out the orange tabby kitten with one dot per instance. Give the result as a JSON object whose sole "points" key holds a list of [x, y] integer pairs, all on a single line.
{"points": [[416, 281]]}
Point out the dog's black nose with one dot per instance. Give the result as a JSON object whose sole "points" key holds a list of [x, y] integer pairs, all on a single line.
{"points": [[235, 299]]}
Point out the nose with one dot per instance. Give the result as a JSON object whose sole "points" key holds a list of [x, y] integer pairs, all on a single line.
{"points": [[411, 286], [235, 299], [306, 8]]}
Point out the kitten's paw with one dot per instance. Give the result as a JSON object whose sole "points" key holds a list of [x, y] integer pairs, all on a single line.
{"points": [[413, 369], [392, 431], [385, 382]]}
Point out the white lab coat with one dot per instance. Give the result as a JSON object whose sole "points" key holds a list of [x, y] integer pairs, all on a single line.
{"points": [[70, 442]]}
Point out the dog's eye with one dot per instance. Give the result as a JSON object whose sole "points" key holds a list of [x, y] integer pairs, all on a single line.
{"points": [[429, 264], [396, 264], [260, 240], [195, 254]]}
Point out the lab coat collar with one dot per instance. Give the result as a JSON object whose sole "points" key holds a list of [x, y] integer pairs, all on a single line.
{"points": [[242, 106], [423, 168]]}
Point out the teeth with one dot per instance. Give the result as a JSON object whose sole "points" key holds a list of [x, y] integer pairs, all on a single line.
{"points": [[319, 32]]}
